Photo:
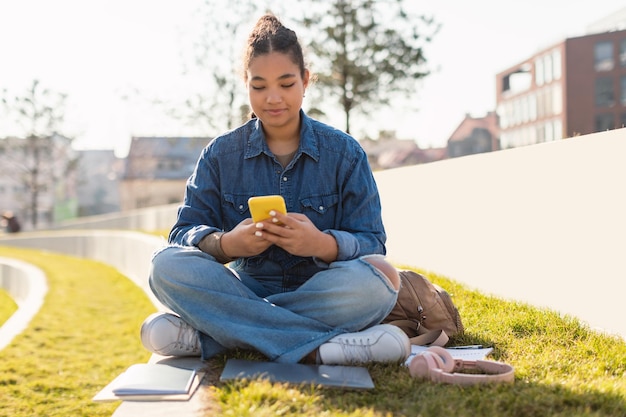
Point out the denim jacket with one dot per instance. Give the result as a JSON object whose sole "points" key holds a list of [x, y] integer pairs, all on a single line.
{"points": [[329, 180]]}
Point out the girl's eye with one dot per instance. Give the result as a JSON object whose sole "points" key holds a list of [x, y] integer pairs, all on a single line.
{"points": [[257, 88], [289, 85]]}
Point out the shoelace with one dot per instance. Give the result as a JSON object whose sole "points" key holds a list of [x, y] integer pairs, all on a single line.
{"points": [[357, 350], [187, 338]]}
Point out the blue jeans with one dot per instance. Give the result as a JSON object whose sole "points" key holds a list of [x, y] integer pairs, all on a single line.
{"points": [[233, 310]]}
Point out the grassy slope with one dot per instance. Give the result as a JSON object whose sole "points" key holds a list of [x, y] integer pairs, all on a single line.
{"points": [[562, 369], [87, 332], [84, 336]]}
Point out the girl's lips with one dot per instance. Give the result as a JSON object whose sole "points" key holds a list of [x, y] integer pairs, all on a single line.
{"points": [[274, 112]]}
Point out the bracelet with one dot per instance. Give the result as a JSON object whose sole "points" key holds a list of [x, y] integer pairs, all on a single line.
{"points": [[212, 244]]}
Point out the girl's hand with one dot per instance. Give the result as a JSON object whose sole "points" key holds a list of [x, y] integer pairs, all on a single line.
{"points": [[296, 234], [242, 241]]}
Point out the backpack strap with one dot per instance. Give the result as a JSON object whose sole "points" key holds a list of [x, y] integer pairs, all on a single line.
{"points": [[424, 337], [431, 338]]}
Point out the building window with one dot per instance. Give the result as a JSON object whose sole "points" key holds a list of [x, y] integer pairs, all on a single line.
{"points": [[547, 68], [604, 122], [556, 64], [557, 125], [604, 92], [539, 79], [604, 56], [532, 106], [549, 131], [622, 53], [557, 100]]}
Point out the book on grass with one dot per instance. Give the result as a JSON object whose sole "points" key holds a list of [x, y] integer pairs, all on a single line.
{"points": [[153, 379], [468, 353]]}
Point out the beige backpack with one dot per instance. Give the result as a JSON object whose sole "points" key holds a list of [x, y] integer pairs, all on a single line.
{"points": [[424, 311]]}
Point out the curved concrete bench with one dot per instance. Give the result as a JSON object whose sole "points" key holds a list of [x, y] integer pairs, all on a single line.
{"points": [[129, 252], [27, 285]]}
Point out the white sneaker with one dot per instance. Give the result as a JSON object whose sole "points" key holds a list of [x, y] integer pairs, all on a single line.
{"points": [[381, 343], [168, 335]]}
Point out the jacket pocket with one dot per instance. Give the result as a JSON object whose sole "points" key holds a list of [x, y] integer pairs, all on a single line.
{"points": [[321, 210], [234, 209]]}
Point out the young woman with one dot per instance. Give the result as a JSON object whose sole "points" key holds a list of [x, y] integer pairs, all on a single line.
{"points": [[309, 284]]}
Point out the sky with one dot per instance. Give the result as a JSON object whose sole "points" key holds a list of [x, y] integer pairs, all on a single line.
{"points": [[100, 51]]}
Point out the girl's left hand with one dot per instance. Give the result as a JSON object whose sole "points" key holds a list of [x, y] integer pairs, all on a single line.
{"points": [[296, 234]]}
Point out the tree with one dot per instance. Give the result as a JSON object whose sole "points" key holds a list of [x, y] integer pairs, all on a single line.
{"points": [[38, 159], [223, 109], [218, 102], [369, 50]]}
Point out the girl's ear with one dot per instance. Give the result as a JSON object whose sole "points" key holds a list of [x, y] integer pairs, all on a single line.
{"points": [[305, 78]]}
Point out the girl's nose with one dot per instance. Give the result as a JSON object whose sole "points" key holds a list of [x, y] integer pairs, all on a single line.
{"points": [[274, 97]]}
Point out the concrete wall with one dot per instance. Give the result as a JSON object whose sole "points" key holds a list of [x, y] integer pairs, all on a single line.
{"points": [[129, 252], [151, 218], [27, 286], [543, 224]]}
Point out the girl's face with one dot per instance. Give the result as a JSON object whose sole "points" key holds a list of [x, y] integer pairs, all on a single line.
{"points": [[275, 90]]}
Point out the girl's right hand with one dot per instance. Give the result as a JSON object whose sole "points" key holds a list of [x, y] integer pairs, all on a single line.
{"points": [[242, 242]]}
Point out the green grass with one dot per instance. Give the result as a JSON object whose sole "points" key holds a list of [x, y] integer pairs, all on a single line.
{"points": [[562, 369], [7, 306], [87, 333]]}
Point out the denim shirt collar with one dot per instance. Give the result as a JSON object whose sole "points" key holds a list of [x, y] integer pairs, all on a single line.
{"points": [[308, 140]]}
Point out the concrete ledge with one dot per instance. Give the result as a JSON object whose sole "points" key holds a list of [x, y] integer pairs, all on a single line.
{"points": [[543, 224], [149, 218], [129, 252], [27, 286]]}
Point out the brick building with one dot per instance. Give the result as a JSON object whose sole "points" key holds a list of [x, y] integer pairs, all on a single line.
{"points": [[574, 87], [475, 135]]}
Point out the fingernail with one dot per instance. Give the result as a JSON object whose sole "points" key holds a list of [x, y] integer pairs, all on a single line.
{"points": [[272, 213], [274, 220], [258, 234], [259, 225]]}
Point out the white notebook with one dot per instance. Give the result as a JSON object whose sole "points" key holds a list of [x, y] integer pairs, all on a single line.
{"points": [[153, 379], [467, 353]]}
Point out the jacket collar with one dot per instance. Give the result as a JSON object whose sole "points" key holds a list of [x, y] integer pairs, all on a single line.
{"points": [[308, 140]]}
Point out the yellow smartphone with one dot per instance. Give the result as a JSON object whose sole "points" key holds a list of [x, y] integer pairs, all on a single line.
{"points": [[261, 206]]}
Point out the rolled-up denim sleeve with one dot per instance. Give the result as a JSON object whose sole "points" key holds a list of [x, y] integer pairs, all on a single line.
{"points": [[347, 244]]}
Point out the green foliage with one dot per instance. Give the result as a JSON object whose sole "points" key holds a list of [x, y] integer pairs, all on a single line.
{"points": [[368, 50], [85, 334], [7, 306]]}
